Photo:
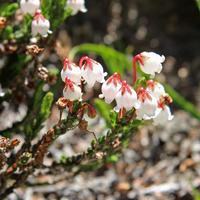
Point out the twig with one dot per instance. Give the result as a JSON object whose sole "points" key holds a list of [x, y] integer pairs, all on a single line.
{"points": [[39, 151], [93, 133]]}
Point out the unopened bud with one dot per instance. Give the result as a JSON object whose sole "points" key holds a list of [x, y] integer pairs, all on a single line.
{"points": [[11, 48], [34, 49], [168, 99], [116, 143], [165, 100], [83, 125], [91, 111], [62, 103], [25, 158], [15, 143], [99, 155], [2, 22], [42, 73]]}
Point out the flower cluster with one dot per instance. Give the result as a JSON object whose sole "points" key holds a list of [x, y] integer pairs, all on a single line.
{"points": [[149, 101], [40, 25], [89, 71]]}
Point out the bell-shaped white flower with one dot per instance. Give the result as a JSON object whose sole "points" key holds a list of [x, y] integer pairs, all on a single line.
{"points": [[71, 91], [163, 115], [110, 88], [77, 5], [150, 62], [72, 71], [29, 6], [156, 89], [148, 104], [40, 25], [126, 98], [91, 71]]}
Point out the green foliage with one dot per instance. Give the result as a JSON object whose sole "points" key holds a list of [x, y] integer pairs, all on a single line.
{"points": [[198, 4], [15, 63], [46, 105], [104, 110], [55, 11], [23, 31], [182, 102], [41, 107], [112, 158], [19, 32], [196, 194], [39, 94], [8, 9], [8, 33]]}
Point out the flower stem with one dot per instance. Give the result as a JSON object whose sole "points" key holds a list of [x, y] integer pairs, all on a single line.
{"points": [[134, 69], [137, 58]]}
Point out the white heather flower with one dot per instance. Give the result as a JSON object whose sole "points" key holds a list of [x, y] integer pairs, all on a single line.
{"points": [[156, 89], [126, 98], [72, 91], [91, 71], [29, 6], [163, 115], [72, 71], [148, 105], [77, 5], [110, 87], [40, 25], [150, 63]]}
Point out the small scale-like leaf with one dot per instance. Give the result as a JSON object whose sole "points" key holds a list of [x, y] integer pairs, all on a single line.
{"points": [[8, 10], [113, 158], [46, 105]]}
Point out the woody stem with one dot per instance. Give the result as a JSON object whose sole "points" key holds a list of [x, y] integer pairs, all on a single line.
{"points": [[60, 116], [95, 137]]}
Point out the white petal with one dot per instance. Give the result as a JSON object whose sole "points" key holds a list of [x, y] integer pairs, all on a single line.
{"points": [[147, 108], [127, 100], [77, 5], [72, 95], [73, 74], [163, 116], [151, 63], [93, 75], [29, 6], [109, 91], [40, 27]]}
